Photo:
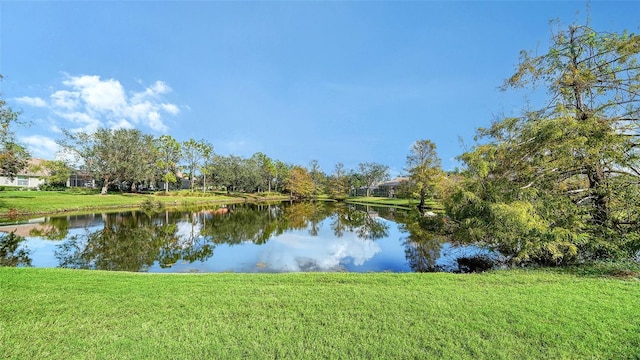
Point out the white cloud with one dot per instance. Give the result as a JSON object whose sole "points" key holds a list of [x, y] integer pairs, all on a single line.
{"points": [[55, 129], [87, 122], [121, 124], [155, 122], [139, 111], [64, 99], [32, 101], [88, 102], [98, 95], [40, 146], [170, 108], [151, 92]]}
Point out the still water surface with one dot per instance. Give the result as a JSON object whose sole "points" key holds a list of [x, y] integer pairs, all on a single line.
{"points": [[243, 238]]}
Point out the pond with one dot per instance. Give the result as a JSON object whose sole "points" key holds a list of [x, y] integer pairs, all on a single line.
{"points": [[243, 238]]}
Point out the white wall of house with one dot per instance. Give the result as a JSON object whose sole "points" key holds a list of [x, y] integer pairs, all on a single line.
{"points": [[22, 181]]}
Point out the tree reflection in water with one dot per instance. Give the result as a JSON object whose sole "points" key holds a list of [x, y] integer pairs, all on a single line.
{"points": [[424, 241], [10, 252], [129, 243], [136, 240], [362, 221], [57, 229]]}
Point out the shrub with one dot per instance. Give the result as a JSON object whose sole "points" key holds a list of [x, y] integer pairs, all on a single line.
{"points": [[149, 204]]}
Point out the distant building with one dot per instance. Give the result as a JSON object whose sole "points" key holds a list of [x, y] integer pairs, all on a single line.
{"points": [[385, 188], [389, 188], [81, 178], [29, 177]]}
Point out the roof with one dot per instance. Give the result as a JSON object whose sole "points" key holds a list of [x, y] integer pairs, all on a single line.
{"points": [[31, 169], [393, 182]]}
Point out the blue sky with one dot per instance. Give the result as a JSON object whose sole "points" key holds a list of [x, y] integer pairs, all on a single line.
{"points": [[335, 81]]}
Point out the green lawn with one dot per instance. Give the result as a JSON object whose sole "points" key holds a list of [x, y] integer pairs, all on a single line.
{"points": [[70, 314], [47, 202], [372, 200]]}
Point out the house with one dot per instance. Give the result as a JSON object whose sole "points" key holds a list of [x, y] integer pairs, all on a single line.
{"points": [[80, 178], [389, 188], [30, 177], [385, 188]]}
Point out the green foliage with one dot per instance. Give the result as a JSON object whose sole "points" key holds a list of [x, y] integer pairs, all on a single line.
{"points": [[117, 157], [151, 205], [57, 173], [338, 183], [423, 166], [167, 154], [300, 183], [371, 174], [406, 190], [13, 156], [266, 169], [559, 184], [318, 176], [194, 154], [236, 174]]}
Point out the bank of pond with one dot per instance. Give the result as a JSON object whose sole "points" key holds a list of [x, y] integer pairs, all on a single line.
{"points": [[244, 238]]}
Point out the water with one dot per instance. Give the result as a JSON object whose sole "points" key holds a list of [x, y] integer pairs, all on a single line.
{"points": [[242, 238]]}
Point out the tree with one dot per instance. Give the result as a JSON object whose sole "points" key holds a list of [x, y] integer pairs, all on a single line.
{"points": [[13, 156], [338, 187], [373, 173], [300, 184], [168, 156], [281, 174], [57, 172], [115, 156], [194, 153], [559, 183], [250, 175], [227, 171], [318, 176], [423, 166], [266, 169]]}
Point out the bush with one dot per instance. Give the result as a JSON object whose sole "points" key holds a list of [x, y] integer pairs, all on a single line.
{"points": [[52, 187], [149, 204]]}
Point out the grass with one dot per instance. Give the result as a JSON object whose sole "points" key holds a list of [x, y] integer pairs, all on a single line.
{"points": [[70, 314], [406, 203], [15, 203]]}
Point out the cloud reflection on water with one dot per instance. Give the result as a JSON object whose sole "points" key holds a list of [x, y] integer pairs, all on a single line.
{"points": [[298, 252]]}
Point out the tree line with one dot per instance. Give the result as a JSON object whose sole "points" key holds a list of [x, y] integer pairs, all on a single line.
{"points": [[131, 160], [557, 184]]}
